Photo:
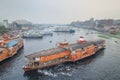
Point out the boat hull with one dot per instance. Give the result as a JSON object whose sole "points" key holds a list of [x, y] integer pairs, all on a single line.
{"points": [[27, 69], [32, 36], [45, 66]]}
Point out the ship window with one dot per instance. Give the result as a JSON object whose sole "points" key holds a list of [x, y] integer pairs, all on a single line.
{"points": [[36, 63]]}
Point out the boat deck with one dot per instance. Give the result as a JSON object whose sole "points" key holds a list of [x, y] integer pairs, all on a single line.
{"points": [[58, 50], [46, 52]]}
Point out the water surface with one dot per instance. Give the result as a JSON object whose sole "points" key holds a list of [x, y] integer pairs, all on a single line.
{"points": [[105, 65]]}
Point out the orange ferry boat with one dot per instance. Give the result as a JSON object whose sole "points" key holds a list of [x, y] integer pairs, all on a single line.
{"points": [[64, 53], [9, 47]]}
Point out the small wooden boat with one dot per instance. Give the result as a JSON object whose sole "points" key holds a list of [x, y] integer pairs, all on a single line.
{"points": [[64, 53]]}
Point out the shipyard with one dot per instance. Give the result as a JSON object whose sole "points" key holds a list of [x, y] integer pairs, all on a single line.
{"points": [[59, 40]]}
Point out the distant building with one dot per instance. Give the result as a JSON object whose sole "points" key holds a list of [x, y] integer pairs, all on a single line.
{"points": [[1, 24], [86, 24], [117, 22], [21, 24], [114, 30], [102, 23], [6, 24]]}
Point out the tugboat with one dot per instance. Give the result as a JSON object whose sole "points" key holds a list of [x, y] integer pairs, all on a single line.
{"points": [[9, 47], [65, 52]]}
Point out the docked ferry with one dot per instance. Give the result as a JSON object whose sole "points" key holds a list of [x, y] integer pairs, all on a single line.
{"points": [[9, 47]]}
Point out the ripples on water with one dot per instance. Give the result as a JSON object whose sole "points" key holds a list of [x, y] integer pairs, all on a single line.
{"points": [[65, 69], [104, 65]]}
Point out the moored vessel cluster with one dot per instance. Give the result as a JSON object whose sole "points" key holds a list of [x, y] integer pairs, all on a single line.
{"points": [[9, 46], [32, 34]]}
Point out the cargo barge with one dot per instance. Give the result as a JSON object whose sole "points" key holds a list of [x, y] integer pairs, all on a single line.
{"points": [[65, 52], [9, 47]]}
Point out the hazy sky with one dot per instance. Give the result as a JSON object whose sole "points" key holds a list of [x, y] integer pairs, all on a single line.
{"points": [[58, 11]]}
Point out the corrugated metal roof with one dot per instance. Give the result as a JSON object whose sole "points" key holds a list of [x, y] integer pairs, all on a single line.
{"points": [[72, 47], [12, 43], [80, 45], [46, 52]]}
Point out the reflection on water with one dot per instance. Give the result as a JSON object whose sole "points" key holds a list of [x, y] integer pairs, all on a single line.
{"points": [[4, 65]]}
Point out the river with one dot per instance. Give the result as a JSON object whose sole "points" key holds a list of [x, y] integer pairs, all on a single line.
{"points": [[105, 65]]}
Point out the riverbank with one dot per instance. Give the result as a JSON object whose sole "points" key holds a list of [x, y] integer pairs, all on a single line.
{"points": [[105, 34]]}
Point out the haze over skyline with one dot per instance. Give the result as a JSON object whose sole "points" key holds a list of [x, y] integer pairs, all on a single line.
{"points": [[58, 11]]}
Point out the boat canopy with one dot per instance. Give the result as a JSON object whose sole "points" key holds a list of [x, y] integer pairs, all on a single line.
{"points": [[12, 43]]}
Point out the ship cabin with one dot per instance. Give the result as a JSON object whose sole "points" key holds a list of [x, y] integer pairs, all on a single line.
{"points": [[99, 44], [47, 56], [82, 50]]}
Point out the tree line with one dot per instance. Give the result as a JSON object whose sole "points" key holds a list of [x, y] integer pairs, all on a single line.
{"points": [[3, 29]]}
